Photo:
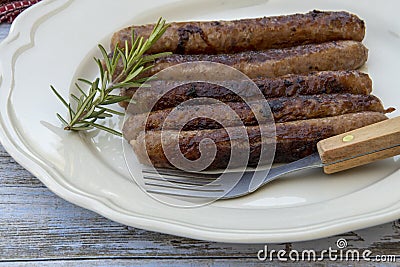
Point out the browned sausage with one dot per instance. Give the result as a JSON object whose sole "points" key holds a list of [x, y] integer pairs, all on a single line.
{"points": [[340, 55], [214, 37], [295, 139], [325, 82], [283, 110]]}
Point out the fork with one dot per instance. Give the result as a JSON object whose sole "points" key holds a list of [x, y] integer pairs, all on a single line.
{"points": [[338, 153]]}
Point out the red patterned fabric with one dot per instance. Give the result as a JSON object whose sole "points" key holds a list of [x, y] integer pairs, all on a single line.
{"points": [[9, 10]]}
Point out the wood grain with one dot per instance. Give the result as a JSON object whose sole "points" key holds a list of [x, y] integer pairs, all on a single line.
{"points": [[37, 228], [382, 137], [363, 160]]}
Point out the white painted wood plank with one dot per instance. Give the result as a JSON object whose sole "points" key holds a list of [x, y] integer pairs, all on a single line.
{"points": [[4, 28]]}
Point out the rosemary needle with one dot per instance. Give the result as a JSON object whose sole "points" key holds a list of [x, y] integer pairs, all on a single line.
{"points": [[91, 105]]}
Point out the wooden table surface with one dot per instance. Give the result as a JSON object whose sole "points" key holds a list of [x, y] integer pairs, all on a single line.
{"points": [[39, 228]]}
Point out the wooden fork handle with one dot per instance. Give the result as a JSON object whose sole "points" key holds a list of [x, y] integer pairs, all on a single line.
{"points": [[365, 145]]}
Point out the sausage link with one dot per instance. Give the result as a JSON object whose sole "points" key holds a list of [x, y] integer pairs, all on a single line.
{"points": [[283, 110], [215, 37], [294, 140], [325, 82], [340, 55]]}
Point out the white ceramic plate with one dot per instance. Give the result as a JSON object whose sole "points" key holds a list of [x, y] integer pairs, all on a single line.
{"points": [[54, 42]]}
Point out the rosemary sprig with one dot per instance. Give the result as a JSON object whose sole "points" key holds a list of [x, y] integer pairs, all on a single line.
{"points": [[91, 105]]}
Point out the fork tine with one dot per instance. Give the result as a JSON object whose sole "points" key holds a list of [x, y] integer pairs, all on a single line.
{"points": [[185, 193], [182, 185], [177, 178], [183, 181], [177, 173]]}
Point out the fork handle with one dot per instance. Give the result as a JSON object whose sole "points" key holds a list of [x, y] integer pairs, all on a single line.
{"points": [[365, 145]]}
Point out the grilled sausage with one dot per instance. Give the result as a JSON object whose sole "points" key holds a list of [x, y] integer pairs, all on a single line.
{"points": [[294, 140], [283, 110], [340, 55], [325, 82], [214, 37]]}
